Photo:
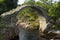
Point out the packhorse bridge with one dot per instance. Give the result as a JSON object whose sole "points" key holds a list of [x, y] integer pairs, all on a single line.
{"points": [[11, 15], [10, 20]]}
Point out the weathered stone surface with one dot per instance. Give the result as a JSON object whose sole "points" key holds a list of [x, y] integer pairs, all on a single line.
{"points": [[8, 32]]}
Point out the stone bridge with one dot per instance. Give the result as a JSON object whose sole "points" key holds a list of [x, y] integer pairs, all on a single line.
{"points": [[9, 19]]}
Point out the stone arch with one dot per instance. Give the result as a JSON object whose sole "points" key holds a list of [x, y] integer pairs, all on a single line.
{"points": [[9, 18], [40, 9], [42, 14], [13, 13], [42, 22]]}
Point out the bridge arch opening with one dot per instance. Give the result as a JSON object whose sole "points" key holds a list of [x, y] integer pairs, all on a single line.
{"points": [[40, 13], [22, 25]]}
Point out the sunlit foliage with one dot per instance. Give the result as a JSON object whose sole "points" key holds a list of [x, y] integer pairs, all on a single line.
{"points": [[29, 16]]}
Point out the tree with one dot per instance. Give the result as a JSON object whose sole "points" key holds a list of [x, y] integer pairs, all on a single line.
{"points": [[46, 1], [29, 2], [55, 14], [11, 3], [6, 5], [1, 1]]}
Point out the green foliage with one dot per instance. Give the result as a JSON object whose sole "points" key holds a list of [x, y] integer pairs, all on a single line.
{"points": [[55, 14], [6, 5], [53, 11], [29, 2], [46, 1], [1, 1], [30, 16]]}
